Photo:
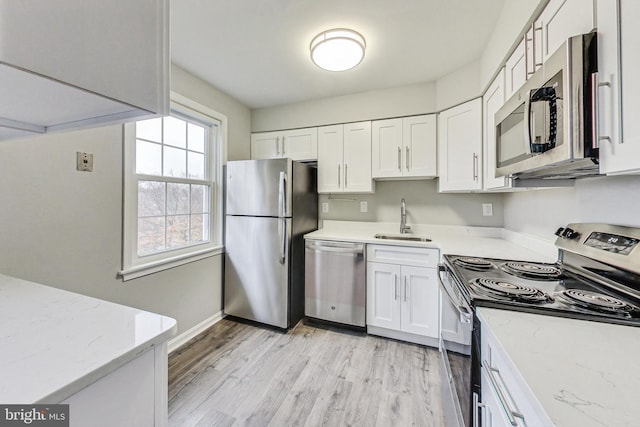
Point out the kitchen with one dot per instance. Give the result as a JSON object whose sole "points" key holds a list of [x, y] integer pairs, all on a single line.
{"points": [[63, 228]]}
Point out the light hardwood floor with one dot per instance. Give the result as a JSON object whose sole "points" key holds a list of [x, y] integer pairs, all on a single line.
{"points": [[235, 374]]}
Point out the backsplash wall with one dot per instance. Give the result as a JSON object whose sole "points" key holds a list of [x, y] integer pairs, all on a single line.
{"points": [[424, 205]]}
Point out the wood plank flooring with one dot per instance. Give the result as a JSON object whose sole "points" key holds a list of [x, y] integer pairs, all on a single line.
{"points": [[236, 374]]}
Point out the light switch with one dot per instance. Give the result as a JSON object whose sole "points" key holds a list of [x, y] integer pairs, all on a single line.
{"points": [[325, 207], [487, 209], [363, 206]]}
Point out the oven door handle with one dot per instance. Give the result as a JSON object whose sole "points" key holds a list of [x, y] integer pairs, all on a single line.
{"points": [[463, 311]]}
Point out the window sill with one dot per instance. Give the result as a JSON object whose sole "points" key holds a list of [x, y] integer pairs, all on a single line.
{"points": [[165, 264]]}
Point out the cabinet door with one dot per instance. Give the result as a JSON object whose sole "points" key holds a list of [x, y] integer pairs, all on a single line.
{"points": [[516, 69], [419, 140], [300, 144], [330, 169], [460, 147], [619, 129], [562, 19], [492, 101], [419, 305], [265, 145], [383, 295], [357, 158], [386, 147]]}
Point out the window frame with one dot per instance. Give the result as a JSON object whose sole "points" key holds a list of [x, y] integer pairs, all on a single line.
{"points": [[134, 266]]}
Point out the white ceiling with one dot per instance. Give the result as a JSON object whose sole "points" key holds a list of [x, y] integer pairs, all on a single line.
{"points": [[258, 50]]}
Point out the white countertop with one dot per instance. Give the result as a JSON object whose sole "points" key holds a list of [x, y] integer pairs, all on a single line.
{"points": [[582, 373], [54, 343], [458, 240]]}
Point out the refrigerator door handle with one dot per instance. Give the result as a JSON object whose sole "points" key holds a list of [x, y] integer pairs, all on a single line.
{"points": [[282, 195], [283, 245]]}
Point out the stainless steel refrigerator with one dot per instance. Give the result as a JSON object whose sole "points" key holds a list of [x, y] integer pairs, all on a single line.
{"points": [[270, 205]]}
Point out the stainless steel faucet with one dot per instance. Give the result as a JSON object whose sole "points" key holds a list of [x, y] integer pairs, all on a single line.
{"points": [[404, 228]]}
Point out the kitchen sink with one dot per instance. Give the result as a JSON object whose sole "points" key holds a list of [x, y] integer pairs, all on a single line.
{"points": [[407, 237]]}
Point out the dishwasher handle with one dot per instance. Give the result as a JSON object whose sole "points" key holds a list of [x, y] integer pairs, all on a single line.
{"points": [[340, 247]]}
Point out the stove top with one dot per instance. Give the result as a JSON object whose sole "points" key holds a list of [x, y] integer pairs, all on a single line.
{"points": [[539, 288]]}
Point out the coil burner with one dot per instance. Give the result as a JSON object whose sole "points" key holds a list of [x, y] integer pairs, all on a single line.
{"points": [[472, 263], [598, 302], [510, 291], [531, 270]]}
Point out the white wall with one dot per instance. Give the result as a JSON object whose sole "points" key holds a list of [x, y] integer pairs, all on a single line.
{"points": [[63, 228], [424, 205], [614, 200], [459, 86], [379, 104]]}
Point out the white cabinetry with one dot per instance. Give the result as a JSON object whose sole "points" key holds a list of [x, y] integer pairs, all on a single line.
{"points": [[562, 19], [460, 147], [492, 101], [506, 397], [344, 158], [134, 395], [79, 63], [297, 144], [404, 147], [516, 69], [619, 88], [402, 293]]}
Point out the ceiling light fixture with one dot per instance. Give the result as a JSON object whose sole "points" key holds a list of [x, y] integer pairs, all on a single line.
{"points": [[339, 49]]}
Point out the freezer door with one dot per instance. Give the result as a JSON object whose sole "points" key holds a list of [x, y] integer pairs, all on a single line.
{"points": [[257, 269], [259, 187]]}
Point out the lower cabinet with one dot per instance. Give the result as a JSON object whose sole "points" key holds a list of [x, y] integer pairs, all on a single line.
{"points": [[402, 293]]}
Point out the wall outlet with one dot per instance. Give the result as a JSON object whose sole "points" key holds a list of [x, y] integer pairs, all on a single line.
{"points": [[325, 207], [363, 206], [84, 162], [487, 209]]}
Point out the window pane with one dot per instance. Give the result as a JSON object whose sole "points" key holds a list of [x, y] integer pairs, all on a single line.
{"points": [[150, 129], [196, 165], [175, 132], [200, 228], [196, 137], [177, 199], [175, 162], [151, 198], [148, 158], [199, 199], [177, 231], [150, 235]]}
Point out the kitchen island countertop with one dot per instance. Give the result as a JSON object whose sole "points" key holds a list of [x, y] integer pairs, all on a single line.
{"points": [[54, 343]]}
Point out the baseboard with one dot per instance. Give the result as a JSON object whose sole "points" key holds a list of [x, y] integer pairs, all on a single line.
{"points": [[403, 336], [182, 339]]}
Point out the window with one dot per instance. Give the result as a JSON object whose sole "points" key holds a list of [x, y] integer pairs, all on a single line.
{"points": [[172, 176]]}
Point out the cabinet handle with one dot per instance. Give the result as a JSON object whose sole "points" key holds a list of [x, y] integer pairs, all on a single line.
{"points": [[595, 111], [475, 167], [527, 73], [338, 176], [405, 288], [399, 159], [407, 155], [346, 175], [395, 286], [277, 145], [511, 413], [535, 64]]}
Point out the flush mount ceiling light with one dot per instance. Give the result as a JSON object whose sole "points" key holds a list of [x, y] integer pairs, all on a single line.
{"points": [[339, 49]]}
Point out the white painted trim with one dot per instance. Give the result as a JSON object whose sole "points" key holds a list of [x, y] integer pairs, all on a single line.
{"points": [[184, 337], [165, 264], [403, 336]]}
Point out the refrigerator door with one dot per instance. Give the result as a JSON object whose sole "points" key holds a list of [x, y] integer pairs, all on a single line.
{"points": [[257, 269], [259, 187]]}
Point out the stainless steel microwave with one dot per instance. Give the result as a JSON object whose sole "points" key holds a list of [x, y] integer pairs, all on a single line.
{"points": [[545, 130]]}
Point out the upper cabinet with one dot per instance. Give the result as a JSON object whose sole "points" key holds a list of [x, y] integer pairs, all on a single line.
{"points": [[297, 144], [618, 61], [344, 158], [78, 63], [460, 147], [562, 19], [492, 101], [404, 147]]}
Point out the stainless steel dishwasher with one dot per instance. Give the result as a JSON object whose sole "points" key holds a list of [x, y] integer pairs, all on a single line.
{"points": [[334, 283]]}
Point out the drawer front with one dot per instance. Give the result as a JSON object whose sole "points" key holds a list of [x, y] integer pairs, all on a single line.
{"points": [[405, 255]]}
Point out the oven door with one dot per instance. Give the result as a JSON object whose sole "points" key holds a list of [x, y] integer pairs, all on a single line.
{"points": [[460, 355]]}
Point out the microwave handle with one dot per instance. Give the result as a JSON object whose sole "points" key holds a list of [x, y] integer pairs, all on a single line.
{"points": [[527, 123]]}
